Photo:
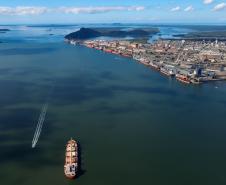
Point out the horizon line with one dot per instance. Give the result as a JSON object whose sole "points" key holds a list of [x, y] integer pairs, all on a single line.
{"points": [[118, 23]]}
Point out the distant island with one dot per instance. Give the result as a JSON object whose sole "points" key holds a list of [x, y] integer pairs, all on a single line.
{"points": [[204, 35], [88, 33], [4, 30]]}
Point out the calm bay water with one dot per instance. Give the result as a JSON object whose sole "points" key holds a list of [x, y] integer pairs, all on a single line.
{"points": [[134, 125]]}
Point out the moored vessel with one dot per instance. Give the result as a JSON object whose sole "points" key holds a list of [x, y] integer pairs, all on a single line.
{"points": [[154, 66], [165, 72], [71, 159], [183, 79]]}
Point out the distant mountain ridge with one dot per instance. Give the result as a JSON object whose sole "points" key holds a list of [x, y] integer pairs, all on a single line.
{"points": [[87, 33]]}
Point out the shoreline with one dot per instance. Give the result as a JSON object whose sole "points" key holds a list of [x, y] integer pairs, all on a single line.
{"points": [[171, 68]]}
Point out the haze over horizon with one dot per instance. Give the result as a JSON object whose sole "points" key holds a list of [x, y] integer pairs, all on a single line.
{"points": [[99, 11]]}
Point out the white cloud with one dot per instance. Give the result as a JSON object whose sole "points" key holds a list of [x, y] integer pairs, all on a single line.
{"points": [[208, 1], [189, 9], [5, 10], [22, 10], [93, 10], [175, 9], [219, 7], [30, 10], [27, 10]]}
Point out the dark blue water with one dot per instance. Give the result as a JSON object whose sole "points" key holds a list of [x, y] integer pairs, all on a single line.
{"points": [[134, 125]]}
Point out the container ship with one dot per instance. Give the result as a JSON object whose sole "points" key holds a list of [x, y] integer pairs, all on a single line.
{"points": [[71, 159], [183, 79]]}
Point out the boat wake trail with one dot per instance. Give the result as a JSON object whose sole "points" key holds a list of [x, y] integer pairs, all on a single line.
{"points": [[39, 125]]}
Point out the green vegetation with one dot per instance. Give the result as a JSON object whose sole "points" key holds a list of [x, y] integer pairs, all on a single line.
{"points": [[87, 33]]}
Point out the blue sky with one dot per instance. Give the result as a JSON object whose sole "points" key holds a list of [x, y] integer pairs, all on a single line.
{"points": [[108, 11]]}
